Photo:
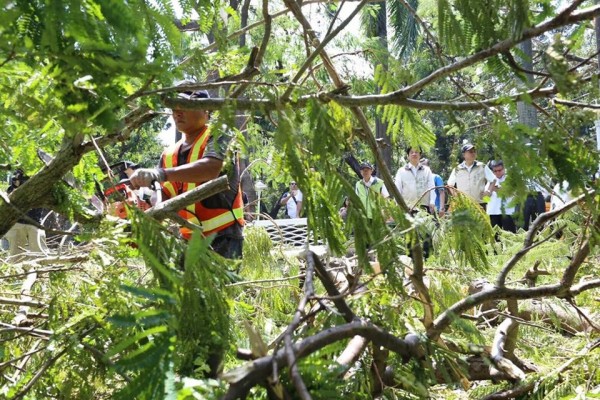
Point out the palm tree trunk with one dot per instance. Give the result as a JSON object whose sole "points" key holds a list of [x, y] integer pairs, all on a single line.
{"points": [[381, 127], [597, 24], [527, 113]]}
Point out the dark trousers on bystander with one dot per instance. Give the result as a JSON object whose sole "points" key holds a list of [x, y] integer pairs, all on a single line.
{"points": [[534, 206], [505, 222]]}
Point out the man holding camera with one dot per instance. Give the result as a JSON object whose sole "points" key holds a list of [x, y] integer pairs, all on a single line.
{"points": [[292, 200], [499, 208]]}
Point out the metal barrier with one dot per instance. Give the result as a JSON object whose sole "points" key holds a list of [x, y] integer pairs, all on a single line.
{"points": [[292, 232]]}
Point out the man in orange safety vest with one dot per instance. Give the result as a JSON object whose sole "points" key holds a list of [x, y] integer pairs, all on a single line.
{"points": [[197, 158]]}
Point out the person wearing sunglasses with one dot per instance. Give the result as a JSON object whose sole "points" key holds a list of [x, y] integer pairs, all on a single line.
{"points": [[499, 208]]}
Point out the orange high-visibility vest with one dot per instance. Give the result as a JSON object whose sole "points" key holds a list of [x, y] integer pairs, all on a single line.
{"points": [[211, 220]]}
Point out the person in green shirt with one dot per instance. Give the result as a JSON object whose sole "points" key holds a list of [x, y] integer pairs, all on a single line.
{"points": [[367, 188]]}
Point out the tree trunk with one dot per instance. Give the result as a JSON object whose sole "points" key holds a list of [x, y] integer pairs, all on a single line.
{"points": [[597, 29], [381, 127], [527, 113]]}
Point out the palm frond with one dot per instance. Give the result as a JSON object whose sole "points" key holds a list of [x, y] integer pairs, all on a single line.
{"points": [[406, 29]]}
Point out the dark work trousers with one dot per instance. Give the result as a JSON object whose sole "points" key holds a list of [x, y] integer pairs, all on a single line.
{"points": [[505, 222], [426, 240], [534, 206], [228, 246]]}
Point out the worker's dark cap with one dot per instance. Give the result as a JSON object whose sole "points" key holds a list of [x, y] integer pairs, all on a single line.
{"points": [[192, 94], [366, 165], [130, 164], [467, 147], [198, 94]]}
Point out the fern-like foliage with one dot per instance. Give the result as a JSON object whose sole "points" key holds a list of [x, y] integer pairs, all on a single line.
{"points": [[405, 26], [404, 124], [203, 319], [465, 27], [91, 53], [369, 19], [326, 127], [184, 324], [466, 234]]}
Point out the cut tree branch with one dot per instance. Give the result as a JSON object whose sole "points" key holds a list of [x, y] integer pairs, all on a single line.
{"points": [[204, 191], [242, 379], [535, 227]]}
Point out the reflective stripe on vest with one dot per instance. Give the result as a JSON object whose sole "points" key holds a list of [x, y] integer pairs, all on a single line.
{"points": [[169, 159], [211, 220]]}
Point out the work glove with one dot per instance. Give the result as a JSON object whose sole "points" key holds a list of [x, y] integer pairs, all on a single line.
{"points": [[144, 177]]}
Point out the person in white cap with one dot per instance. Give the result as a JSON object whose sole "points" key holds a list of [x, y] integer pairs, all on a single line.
{"points": [[471, 176]]}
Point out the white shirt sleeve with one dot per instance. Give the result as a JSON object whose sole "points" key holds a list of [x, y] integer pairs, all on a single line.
{"points": [[299, 196], [384, 192], [452, 179], [489, 175], [398, 180], [430, 187]]}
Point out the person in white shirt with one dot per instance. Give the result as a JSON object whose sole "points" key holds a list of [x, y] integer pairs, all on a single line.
{"points": [[499, 208], [416, 185], [292, 200], [415, 182], [471, 175]]}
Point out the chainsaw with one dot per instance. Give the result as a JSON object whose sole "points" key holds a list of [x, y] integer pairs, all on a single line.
{"points": [[117, 194], [110, 196]]}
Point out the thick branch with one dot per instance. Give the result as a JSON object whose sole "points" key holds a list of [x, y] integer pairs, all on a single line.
{"points": [[21, 303], [535, 227], [325, 278], [204, 191], [562, 289], [569, 103], [21, 316], [361, 101], [246, 377], [36, 191], [291, 356], [500, 350], [556, 22], [351, 353]]}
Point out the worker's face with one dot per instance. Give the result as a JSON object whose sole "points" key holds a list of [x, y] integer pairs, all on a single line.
{"points": [[129, 171], [366, 173], [414, 155], [190, 121], [470, 155]]}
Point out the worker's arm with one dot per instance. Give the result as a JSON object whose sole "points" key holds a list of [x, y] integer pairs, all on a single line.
{"points": [[199, 171]]}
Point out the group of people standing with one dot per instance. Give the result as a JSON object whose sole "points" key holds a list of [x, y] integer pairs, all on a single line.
{"points": [[422, 189]]}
